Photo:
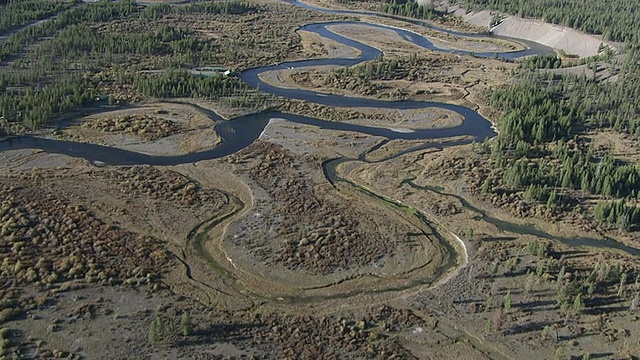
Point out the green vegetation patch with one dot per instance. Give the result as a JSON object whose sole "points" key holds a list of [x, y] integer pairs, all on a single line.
{"points": [[106, 48], [18, 13], [541, 153]]}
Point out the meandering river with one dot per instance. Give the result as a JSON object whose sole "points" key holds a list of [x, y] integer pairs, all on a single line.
{"points": [[241, 132]]}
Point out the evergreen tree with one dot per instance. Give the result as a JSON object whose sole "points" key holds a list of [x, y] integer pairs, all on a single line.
{"points": [[185, 324], [507, 301]]}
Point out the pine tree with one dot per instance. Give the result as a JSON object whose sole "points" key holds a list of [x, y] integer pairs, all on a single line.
{"points": [[488, 304], [529, 282], [154, 336], [578, 304], [186, 324], [635, 302], [560, 278], [486, 186], [487, 326], [494, 267], [507, 301], [545, 332], [540, 267], [551, 201], [621, 285]]}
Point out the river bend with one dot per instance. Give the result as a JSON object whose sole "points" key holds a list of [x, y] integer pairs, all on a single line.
{"points": [[239, 133]]}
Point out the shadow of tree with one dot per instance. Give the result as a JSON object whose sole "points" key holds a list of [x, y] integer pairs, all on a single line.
{"points": [[219, 333], [468, 301], [528, 327], [601, 355], [498, 238], [603, 300], [607, 310], [533, 304], [577, 336], [569, 254]]}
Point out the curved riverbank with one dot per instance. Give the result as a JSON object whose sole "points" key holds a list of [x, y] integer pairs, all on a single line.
{"points": [[448, 252]]}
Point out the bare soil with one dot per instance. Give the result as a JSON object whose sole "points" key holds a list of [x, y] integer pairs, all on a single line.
{"points": [[319, 46]]}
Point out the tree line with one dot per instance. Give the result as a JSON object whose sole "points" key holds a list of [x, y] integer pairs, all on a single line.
{"points": [[76, 40], [232, 7], [102, 11], [19, 13], [540, 151], [553, 61], [181, 83], [619, 213], [33, 107], [57, 74], [409, 8], [574, 169], [546, 106], [615, 20]]}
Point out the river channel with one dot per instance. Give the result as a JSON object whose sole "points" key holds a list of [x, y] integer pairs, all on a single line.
{"points": [[239, 133]]}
